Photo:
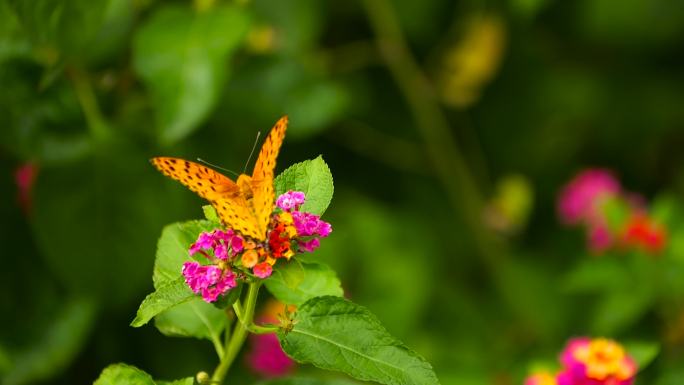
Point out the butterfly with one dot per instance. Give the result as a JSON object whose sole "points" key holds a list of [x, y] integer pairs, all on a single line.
{"points": [[244, 205]]}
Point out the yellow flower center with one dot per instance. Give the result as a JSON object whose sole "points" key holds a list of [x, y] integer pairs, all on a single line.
{"points": [[604, 358]]}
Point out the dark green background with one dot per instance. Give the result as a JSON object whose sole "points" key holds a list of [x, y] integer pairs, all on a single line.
{"points": [[90, 90]]}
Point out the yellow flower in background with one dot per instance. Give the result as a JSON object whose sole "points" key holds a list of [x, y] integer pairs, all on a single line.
{"points": [[261, 39], [472, 61], [509, 209]]}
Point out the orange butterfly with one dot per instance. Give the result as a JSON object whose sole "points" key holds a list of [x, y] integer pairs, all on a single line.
{"points": [[245, 205]]}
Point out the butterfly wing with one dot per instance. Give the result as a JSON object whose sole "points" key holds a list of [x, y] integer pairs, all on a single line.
{"points": [[236, 214], [262, 176], [224, 194], [204, 181], [250, 217]]}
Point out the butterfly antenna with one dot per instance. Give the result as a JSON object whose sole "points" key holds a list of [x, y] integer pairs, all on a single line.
{"points": [[252, 152], [215, 166]]}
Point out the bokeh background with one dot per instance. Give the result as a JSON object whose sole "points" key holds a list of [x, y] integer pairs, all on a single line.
{"points": [[449, 126]]}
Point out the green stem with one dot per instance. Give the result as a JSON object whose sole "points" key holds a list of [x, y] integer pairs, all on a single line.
{"points": [[230, 317], [239, 333], [432, 124], [250, 325], [97, 124]]}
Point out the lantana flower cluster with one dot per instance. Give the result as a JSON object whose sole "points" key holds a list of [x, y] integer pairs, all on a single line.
{"points": [[584, 200], [229, 256], [586, 361]]}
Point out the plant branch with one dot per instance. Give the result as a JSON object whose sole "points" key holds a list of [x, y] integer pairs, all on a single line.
{"points": [[97, 124], [450, 166], [239, 333], [249, 324]]}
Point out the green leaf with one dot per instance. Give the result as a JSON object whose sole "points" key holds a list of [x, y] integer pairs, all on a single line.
{"points": [[13, 42], [69, 26], [317, 280], [619, 309], [642, 352], [290, 274], [335, 334], [313, 178], [307, 381], [210, 213], [182, 381], [122, 374], [5, 361], [194, 318], [266, 88], [172, 249], [595, 275], [56, 348], [167, 296], [182, 57]]}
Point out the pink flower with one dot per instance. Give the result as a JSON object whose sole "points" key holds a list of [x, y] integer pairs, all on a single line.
{"points": [[263, 270], [205, 241], [25, 177], [237, 244], [209, 280], [309, 224], [310, 245], [599, 237], [267, 358], [221, 251], [579, 199], [220, 241], [324, 229], [290, 200]]}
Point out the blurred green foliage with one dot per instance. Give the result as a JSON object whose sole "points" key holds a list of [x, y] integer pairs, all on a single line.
{"points": [[91, 90]]}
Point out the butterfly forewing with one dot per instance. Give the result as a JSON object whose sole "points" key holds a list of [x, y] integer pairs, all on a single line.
{"points": [[262, 176], [206, 182]]}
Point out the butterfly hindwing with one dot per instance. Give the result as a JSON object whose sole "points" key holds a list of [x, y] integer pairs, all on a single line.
{"points": [[204, 181], [236, 214], [262, 176]]}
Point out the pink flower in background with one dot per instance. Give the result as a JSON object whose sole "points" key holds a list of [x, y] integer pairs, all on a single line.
{"points": [[611, 217], [598, 361], [579, 199], [599, 237], [25, 177], [266, 357]]}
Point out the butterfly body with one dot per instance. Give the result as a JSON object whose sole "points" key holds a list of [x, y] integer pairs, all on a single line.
{"points": [[244, 205], [244, 183]]}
